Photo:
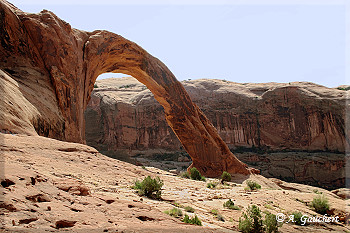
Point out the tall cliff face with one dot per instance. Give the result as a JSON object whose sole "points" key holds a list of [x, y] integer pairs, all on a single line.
{"points": [[290, 131], [68, 61], [273, 116]]}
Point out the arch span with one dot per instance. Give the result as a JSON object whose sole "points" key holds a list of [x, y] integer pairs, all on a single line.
{"points": [[107, 52], [72, 60]]}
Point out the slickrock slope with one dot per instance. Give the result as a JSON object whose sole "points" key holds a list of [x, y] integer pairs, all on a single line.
{"points": [[41, 50], [50, 185], [291, 130]]}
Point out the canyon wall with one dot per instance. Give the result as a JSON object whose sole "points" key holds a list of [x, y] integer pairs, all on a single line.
{"points": [[273, 116], [269, 126]]}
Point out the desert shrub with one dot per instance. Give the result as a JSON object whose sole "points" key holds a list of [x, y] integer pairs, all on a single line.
{"points": [[252, 221], [252, 185], [225, 177], [271, 224], [196, 175], [220, 217], [230, 205], [185, 175], [175, 212], [189, 209], [195, 220], [320, 204], [149, 186], [214, 211], [297, 217], [211, 185], [343, 88], [95, 85]]}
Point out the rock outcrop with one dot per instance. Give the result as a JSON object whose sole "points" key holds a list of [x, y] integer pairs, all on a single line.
{"points": [[288, 130], [69, 61]]}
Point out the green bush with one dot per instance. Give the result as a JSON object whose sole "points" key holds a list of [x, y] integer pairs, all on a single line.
{"points": [[175, 212], [195, 220], [225, 177], [185, 175], [297, 218], [214, 211], [343, 88], [196, 175], [271, 224], [95, 85], [211, 185], [189, 209], [252, 221], [320, 204], [252, 185], [149, 186], [230, 205]]}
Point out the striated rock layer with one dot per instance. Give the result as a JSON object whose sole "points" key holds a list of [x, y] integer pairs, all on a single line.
{"points": [[41, 50], [288, 130]]}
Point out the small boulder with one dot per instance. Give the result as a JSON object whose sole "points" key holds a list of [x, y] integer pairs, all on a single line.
{"points": [[343, 193], [72, 186]]}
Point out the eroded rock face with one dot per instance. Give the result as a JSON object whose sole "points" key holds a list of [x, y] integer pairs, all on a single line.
{"points": [[294, 117], [69, 61]]}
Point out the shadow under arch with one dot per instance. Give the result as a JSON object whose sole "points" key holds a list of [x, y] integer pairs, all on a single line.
{"points": [[106, 52]]}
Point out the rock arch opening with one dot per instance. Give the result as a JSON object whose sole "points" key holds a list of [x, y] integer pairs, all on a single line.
{"points": [[123, 119]]}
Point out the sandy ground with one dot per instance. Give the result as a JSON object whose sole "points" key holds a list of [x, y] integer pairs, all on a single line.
{"points": [[49, 185]]}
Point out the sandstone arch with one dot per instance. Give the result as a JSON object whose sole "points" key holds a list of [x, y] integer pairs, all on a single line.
{"points": [[73, 59]]}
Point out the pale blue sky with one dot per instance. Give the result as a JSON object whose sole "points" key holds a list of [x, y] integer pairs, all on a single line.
{"points": [[252, 42]]}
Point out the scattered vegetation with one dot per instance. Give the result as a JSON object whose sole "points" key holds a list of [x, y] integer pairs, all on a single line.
{"points": [[189, 209], [344, 88], [196, 175], [251, 221], [317, 191], [231, 205], [95, 85], [126, 86], [149, 186], [175, 212], [185, 175], [211, 185], [225, 177], [271, 224], [268, 206], [195, 220], [320, 204], [177, 204], [214, 211], [252, 185], [297, 217]]}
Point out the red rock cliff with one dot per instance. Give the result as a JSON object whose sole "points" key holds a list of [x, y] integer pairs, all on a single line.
{"points": [[72, 60], [274, 116]]}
